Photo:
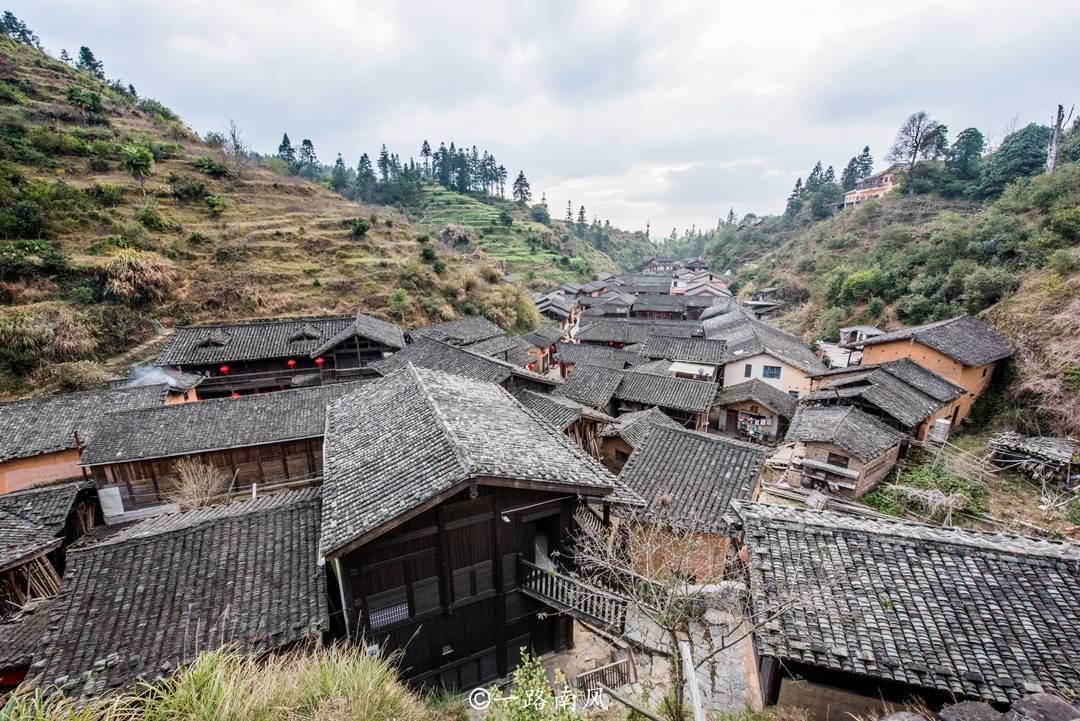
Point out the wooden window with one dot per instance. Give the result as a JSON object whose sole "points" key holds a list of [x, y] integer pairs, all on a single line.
{"points": [[388, 616], [793, 394], [838, 460], [770, 371], [748, 371]]}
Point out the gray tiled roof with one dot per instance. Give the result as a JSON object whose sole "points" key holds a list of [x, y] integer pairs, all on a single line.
{"points": [[979, 615], [760, 392], [212, 424], [270, 338], [396, 443], [660, 304], [681, 394], [902, 389], [633, 427], [19, 635], [845, 427], [169, 522], [441, 356], [633, 330], [746, 337], [606, 356], [592, 385], [141, 608], [364, 326], [965, 339], [459, 332], [688, 478], [694, 350], [47, 425], [542, 337], [32, 522], [558, 411]]}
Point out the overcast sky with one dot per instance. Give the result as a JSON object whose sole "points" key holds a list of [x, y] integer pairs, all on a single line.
{"points": [[661, 111]]}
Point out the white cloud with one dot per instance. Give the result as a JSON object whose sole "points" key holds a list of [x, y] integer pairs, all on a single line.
{"points": [[642, 111]]}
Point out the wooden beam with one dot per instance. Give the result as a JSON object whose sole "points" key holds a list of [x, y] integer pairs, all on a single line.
{"points": [[442, 550]]}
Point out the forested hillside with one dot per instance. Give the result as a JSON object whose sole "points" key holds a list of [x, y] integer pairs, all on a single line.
{"points": [[117, 219], [969, 231]]}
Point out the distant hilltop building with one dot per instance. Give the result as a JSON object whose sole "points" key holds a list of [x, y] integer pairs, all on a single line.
{"points": [[875, 186]]}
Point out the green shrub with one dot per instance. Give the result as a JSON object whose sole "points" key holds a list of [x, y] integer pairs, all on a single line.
{"points": [[1072, 511], [360, 228], [156, 109], [540, 214], [1067, 223], [196, 239], [208, 166], [1063, 262], [490, 274], [184, 188], [1070, 377], [985, 286], [106, 194], [862, 284], [215, 204], [152, 219], [24, 219], [439, 266], [428, 254]]}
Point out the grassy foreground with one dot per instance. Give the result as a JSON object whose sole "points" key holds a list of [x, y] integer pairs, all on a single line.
{"points": [[335, 683]]}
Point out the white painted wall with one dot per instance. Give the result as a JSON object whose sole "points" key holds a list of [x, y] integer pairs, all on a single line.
{"points": [[791, 378]]}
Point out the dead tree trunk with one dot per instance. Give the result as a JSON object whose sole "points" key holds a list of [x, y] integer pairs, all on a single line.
{"points": [[1055, 140]]}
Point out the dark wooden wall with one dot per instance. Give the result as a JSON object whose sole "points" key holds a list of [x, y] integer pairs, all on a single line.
{"points": [[147, 483], [443, 587]]}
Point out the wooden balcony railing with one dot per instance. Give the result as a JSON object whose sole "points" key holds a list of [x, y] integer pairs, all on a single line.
{"points": [[282, 379], [586, 603], [613, 675]]}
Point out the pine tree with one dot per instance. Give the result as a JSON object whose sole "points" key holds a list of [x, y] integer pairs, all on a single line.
{"points": [[425, 154], [814, 180], [65, 57], [384, 164], [339, 177], [731, 217], [794, 201], [581, 216], [501, 179], [830, 175], [307, 160], [286, 151], [569, 212], [365, 178], [865, 163], [521, 190], [90, 64]]}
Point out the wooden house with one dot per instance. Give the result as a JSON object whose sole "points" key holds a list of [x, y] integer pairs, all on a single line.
{"points": [[619, 333], [754, 409], [144, 601], [841, 449], [687, 479], [463, 332], [903, 612], [447, 511], [540, 345], [900, 393], [659, 307], [278, 353], [696, 358], [441, 356], [570, 355], [621, 438], [643, 283], [962, 350], [41, 438], [757, 350], [661, 264], [36, 525], [267, 440], [581, 424]]}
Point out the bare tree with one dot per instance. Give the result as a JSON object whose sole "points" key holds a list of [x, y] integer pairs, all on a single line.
{"points": [[1055, 138], [236, 149], [919, 138], [680, 581], [197, 484]]}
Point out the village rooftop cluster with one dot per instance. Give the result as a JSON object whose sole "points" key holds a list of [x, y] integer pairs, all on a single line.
{"points": [[423, 490]]}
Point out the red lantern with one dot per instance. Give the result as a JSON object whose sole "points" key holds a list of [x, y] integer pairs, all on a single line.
{"points": [[530, 366], [320, 361], [611, 342], [224, 370], [291, 363], [234, 395]]}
